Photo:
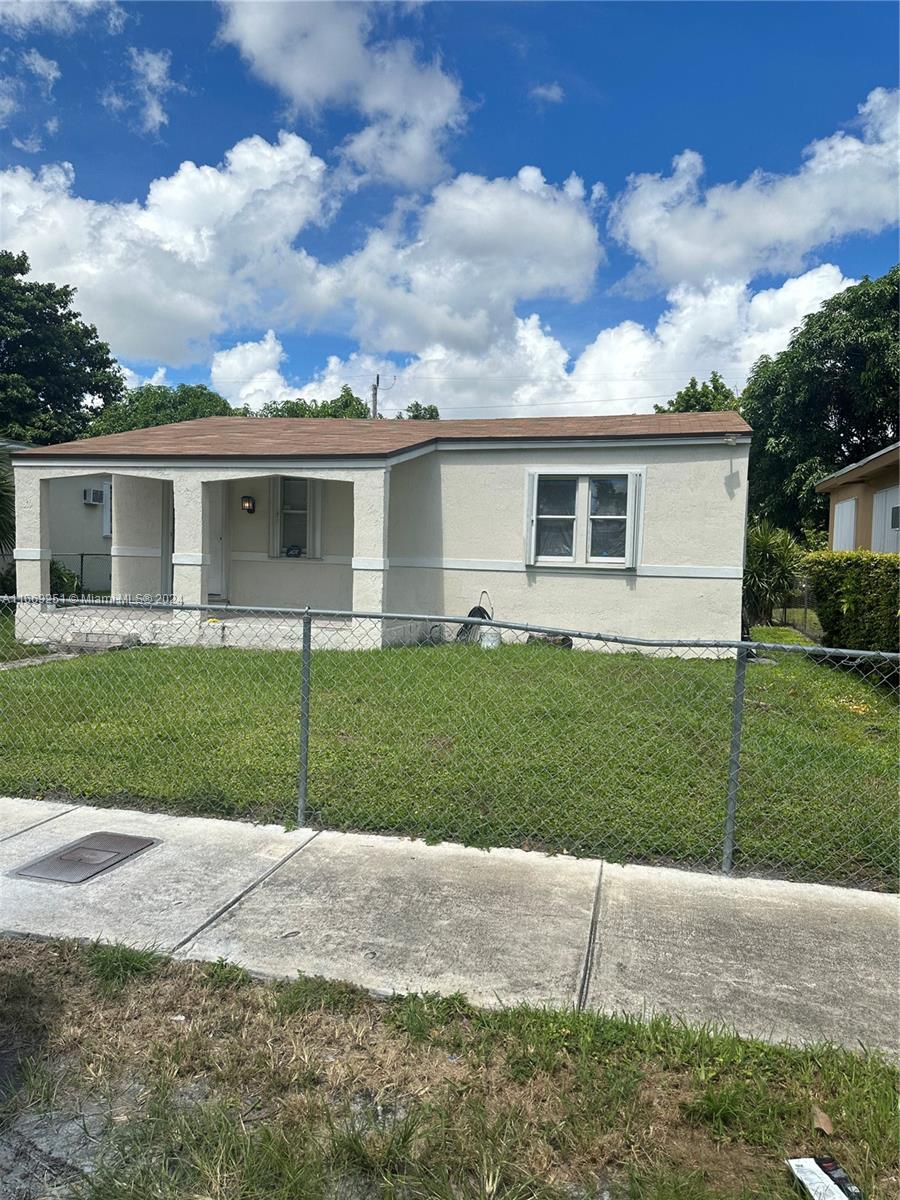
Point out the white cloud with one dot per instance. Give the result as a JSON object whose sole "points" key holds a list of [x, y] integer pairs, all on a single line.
{"points": [[210, 247], [547, 93], [477, 249], [628, 367], [133, 379], [31, 144], [328, 54], [148, 85], [249, 373], [45, 70], [768, 223], [9, 98], [21, 17]]}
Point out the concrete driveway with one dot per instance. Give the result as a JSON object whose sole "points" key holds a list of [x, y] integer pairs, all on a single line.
{"points": [[781, 961]]}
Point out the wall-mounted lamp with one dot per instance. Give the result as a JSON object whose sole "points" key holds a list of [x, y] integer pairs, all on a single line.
{"points": [[248, 504]]}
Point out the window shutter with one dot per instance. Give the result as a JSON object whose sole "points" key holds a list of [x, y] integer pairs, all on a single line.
{"points": [[633, 527], [530, 521]]}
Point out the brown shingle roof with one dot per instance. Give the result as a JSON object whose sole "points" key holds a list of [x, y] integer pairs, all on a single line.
{"points": [[311, 437]]}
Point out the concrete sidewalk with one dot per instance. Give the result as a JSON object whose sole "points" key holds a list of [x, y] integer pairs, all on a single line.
{"points": [[782, 961]]}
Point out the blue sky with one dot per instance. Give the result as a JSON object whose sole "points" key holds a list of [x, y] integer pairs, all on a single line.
{"points": [[508, 207]]}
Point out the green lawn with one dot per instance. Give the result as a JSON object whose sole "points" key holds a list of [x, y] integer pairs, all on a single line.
{"points": [[10, 649], [619, 755]]}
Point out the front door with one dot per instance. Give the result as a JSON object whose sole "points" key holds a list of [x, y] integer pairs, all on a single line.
{"points": [[215, 497]]}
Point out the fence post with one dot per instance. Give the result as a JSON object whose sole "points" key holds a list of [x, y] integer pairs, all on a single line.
{"points": [[734, 759], [305, 656]]}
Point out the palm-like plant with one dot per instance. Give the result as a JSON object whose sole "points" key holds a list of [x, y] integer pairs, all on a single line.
{"points": [[770, 570], [7, 508]]}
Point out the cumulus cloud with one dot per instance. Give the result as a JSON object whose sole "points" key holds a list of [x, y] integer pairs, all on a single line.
{"points": [[626, 368], [208, 249], [476, 250], [547, 93], [328, 54], [685, 233], [249, 373], [134, 379], [21, 17]]}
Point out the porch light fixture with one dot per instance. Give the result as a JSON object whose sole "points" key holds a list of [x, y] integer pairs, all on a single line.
{"points": [[248, 504]]}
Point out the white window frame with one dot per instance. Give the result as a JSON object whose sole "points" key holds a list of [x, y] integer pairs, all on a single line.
{"points": [[581, 556], [550, 559], [313, 517]]}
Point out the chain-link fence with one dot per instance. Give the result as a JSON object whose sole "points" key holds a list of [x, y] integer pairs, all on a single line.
{"points": [[799, 610], [771, 759]]}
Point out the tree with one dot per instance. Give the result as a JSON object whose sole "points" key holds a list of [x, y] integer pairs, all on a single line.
{"points": [[771, 566], [714, 396], [7, 507], [344, 405], [419, 412], [828, 399], [158, 404], [51, 362]]}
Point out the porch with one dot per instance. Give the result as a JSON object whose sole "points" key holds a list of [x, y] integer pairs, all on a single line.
{"points": [[315, 537]]}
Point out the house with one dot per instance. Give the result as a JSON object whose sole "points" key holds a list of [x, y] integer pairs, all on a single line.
{"points": [[864, 498], [629, 524]]}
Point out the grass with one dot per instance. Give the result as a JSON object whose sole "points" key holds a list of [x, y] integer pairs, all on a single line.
{"points": [[230, 1094], [113, 966], [623, 756], [10, 649]]}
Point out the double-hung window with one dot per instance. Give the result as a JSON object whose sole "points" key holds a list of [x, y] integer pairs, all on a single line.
{"points": [[588, 519], [556, 518]]}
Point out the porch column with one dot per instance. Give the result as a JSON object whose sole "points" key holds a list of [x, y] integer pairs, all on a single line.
{"points": [[371, 493], [32, 551], [136, 550], [190, 560]]}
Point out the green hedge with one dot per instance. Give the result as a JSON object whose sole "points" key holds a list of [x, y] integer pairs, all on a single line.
{"points": [[856, 598]]}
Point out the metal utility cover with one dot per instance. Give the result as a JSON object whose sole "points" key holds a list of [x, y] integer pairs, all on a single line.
{"points": [[89, 856]]}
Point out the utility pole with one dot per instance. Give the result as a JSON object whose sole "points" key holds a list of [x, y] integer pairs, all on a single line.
{"points": [[375, 396]]}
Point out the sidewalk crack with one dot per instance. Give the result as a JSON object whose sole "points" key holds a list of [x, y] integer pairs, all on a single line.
{"points": [[220, 912], [592, 947]]}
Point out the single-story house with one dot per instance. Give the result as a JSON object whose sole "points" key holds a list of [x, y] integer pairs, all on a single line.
{"points": [[630, 524], [864, 512]]}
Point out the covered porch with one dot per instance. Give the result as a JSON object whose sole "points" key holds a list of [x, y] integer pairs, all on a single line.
{"points": [[292, 538]]}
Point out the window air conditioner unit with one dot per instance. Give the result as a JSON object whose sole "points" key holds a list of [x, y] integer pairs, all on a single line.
{"points": [[93, 495]]}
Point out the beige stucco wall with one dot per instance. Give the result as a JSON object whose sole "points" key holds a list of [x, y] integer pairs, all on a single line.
{"points": [[76, 528], [256, 578], [864, 494], [467, 511], [451, 523]]}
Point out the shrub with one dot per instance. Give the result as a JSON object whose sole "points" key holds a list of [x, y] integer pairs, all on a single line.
{"points": [[856, 598], [770, 571], [63, 582]]}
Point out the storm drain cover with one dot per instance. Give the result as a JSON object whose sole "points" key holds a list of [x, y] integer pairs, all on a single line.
{"points": [[82, 860]]}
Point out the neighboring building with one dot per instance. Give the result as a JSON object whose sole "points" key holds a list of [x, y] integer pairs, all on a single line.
{"points": [[632, 525], [865, 503]]}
